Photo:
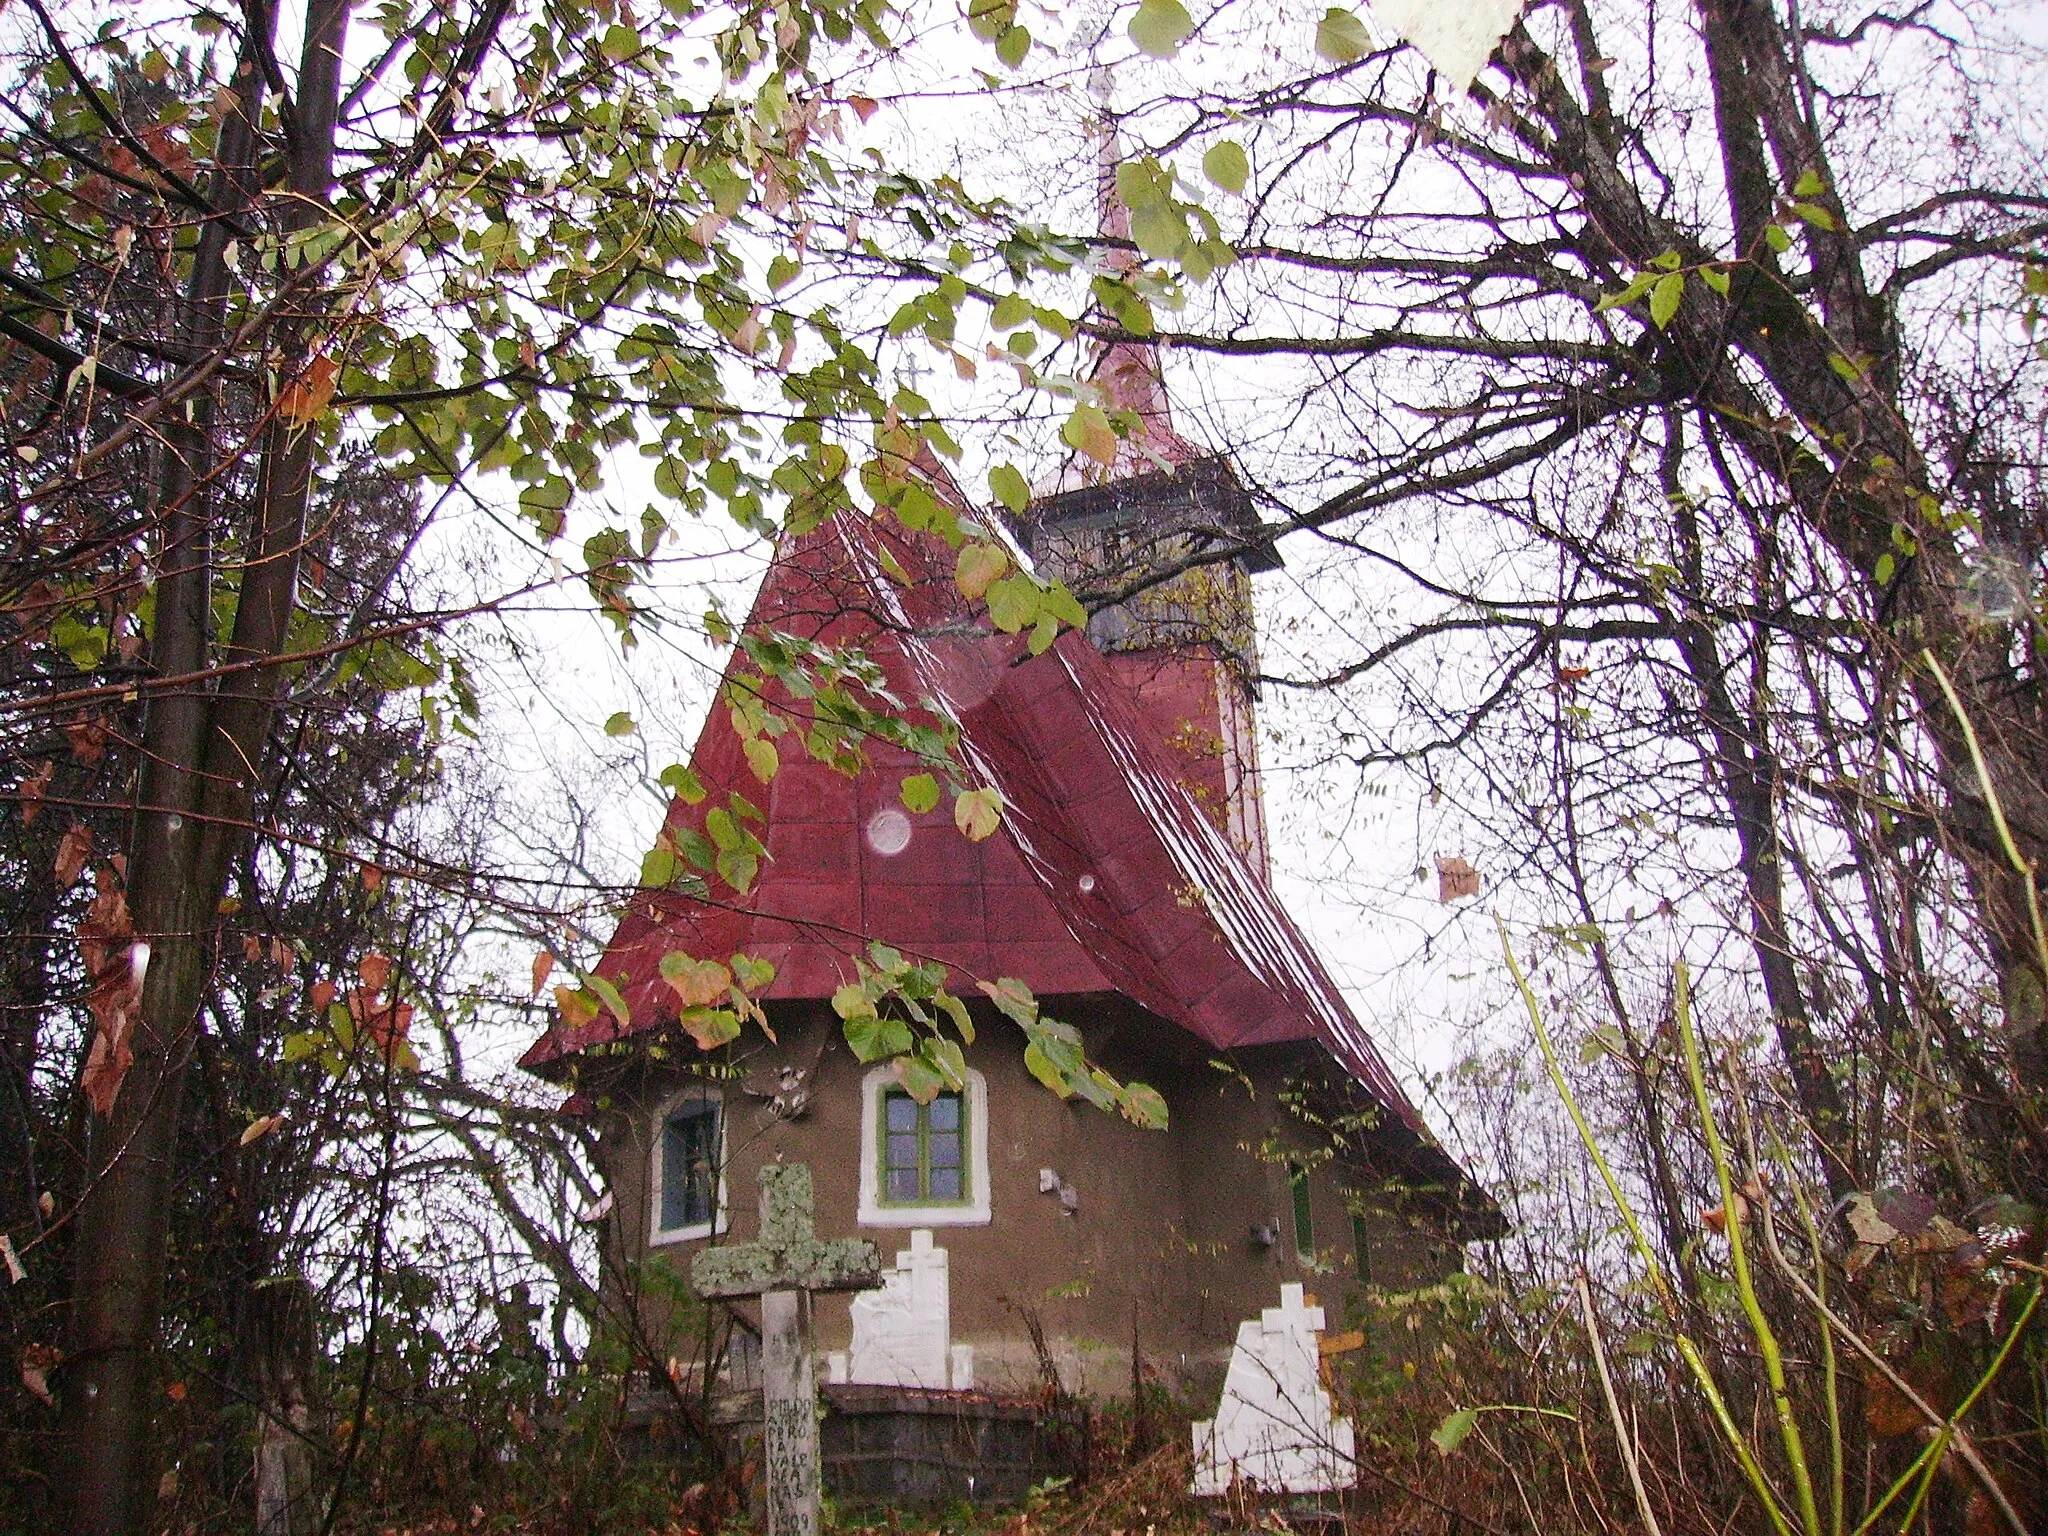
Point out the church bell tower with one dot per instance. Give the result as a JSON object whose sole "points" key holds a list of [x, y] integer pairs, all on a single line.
{"points": [[1160, 547]]}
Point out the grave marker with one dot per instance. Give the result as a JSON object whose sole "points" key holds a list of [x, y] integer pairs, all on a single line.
{"points": [[784, 1267]]}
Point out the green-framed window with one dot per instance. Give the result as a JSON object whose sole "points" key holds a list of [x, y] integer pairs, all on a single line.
{"points": [[1304, 1212], [924, 1150]]}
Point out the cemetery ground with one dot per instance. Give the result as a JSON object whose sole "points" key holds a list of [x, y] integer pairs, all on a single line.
{"points": [[1132, 1477]]}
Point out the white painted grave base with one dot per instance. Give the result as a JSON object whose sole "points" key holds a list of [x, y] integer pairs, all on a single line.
{"points": [[1275, 1426], [902, 1334]]}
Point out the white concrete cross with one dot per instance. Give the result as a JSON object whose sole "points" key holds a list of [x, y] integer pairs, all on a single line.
{"points": [[784, 1266], [1276, 1426]]}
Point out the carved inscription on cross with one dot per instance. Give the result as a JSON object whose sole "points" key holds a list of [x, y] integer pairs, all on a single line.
{"points": [[784, 1267]]}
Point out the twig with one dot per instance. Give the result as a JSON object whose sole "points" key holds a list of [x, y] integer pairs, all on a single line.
{"points": [[1621, 1434]]}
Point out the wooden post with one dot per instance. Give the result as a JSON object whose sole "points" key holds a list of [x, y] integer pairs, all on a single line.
{"points": [[282, 1324]]}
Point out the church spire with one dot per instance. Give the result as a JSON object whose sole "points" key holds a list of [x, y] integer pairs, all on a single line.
{"points": [[1128, 372], [1160, 544]]}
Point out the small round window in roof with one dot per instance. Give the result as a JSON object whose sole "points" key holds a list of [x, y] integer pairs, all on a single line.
{"points": [[888, 832]]}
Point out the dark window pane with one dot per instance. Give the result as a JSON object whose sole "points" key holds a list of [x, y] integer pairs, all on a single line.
{"points": [[945, 1183], [944, 1150], [903, 1152], [945, 1112], [903, 1185], [1361, 1247], [902, 1112], [689, 1166], [1304, 1219]]}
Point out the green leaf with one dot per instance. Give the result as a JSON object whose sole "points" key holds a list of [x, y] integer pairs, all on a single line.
{"points": [[609, 996], [874, 1038], [947, 1059], [1142, 1105], [978, 812], [710, 1027], [737, 868], [683, 783], [620, 42], [1809, 184], [1815, 215], [725, 832], [658, 871], [1604, 1041], [989, 19], [1040, 1066], [1341, 37], [1450, 1434], [851, 1002], [956, 1011], [1013, 46], [1013, 997], [762, 759], [1665, 298], [1715, 279], [1227, 166], [920, 1079], [1161, 26], [1777, 239], [1011, 310], [1010, 487], [620, 724], [1637, 287], [1088, 429], [1886, 565], [1012, 603], [920, 792], [752, 975], [978, 566]]}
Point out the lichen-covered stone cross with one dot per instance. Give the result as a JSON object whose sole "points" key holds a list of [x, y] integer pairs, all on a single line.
{"points": [[784, 1266]]}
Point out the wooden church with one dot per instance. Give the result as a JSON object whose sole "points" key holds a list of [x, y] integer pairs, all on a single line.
{"points": [[1127, 886]]}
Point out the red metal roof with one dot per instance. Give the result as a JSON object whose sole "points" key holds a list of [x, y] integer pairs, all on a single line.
{"points": [[1105, 877]]}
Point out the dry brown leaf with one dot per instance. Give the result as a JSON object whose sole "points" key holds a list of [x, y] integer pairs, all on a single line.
{"points": [[37, 1361], [386, 1022], [252, 949], [321, 993], [114, 1001], [543, 966], [863, 106], [375, 970], [1455, 878], [305, 398], [260, 1127], [31, 791], [88, 738], [1867, 1225], [72, 853], [117, 966], [283, 956], [578, 1007]]}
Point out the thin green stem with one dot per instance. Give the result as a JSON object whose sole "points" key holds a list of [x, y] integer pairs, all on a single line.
{"points": [[1738, 1259], [1687, 1349]]}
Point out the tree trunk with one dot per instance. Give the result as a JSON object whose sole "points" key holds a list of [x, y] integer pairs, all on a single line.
{"points": [[201, 759]]}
